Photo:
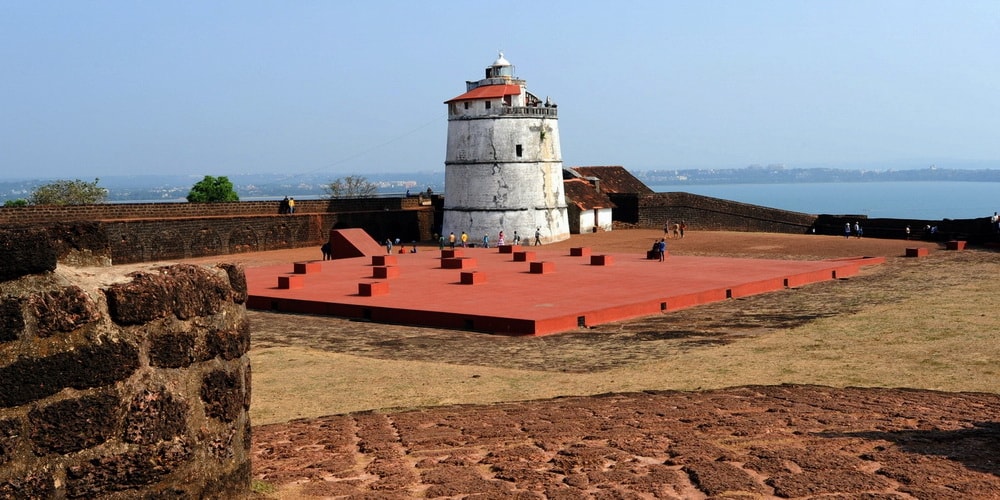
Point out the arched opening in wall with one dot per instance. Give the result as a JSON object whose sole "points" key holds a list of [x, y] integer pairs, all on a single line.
{"points": [[166, 245], [277, 236], [243, 240], [206, 242]]}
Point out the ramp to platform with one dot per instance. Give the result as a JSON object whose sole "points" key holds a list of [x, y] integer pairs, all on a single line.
{"points": [[350, 243]]}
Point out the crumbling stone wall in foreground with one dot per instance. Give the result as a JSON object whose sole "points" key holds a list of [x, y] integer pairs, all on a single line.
{"points": [[124, 383]]}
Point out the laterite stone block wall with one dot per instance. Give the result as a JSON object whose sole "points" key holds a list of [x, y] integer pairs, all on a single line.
{"points": [[704, 213], [118, 384], [148, 240], [116, 211], [978, 231], [148, 232]]}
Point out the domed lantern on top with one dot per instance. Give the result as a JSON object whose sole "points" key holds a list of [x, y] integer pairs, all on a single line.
{"points": [[501, 68]]}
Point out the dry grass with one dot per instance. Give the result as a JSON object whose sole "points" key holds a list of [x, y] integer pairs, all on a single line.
{"points": [[921, 323]]}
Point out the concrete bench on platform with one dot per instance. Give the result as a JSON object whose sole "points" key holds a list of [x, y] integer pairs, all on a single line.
{"points": [[579, 252], [291, 282], [307, 267], [955, 245], [385, 260], [373, 288], [917, 252], [542, 267], [452, 253], [603, 260], [509, 248], [473, 278], [385, 272], [458, 263], [525, 256]]}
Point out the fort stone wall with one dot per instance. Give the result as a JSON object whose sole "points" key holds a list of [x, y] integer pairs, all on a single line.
{"points": [[705, 213], [147, 232], [120, 382], [42, 214]]}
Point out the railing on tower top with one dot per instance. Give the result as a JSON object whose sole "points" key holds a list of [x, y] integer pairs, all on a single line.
{"points": [[525, 110]]}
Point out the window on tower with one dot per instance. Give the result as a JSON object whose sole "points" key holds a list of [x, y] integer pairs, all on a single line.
{"points": [[518, 150], [488, 104], [466, 104]]}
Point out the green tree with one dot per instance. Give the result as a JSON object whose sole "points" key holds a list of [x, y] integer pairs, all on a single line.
{"points": [[20, 202], [212, 189], [63, 192], [352, 186]]}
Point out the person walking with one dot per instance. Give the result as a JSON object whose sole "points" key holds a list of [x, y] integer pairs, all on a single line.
{"points": [[291, 205], [538, 236], [465, 239], [661, 248], [857, 230], [451, 240], [388, 246], [517, 238], [681, 228], [486, 241], [847, 230], [500, 241]]}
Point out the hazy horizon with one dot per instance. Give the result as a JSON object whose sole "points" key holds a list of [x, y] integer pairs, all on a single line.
{"points": [[229, 88], [958, 165]]}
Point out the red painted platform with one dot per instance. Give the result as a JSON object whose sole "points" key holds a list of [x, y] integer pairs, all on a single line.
{"points": [[515, 301]]}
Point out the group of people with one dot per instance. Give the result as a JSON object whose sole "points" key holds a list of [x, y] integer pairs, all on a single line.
{"points": [[675, 230], [287, 206], [463, 239], [660, 248], [390, 243], [857, 230]]}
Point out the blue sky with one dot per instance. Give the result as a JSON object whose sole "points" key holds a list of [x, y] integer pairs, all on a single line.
{"points": [[103, 88]]}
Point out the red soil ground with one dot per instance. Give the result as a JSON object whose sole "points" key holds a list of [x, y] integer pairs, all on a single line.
{"points": [[742, 442]]}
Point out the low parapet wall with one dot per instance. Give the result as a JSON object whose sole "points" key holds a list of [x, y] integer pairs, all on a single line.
{"points": [[977, 231], [147, 232], [706, 213], [42, 214], [118, 385]]}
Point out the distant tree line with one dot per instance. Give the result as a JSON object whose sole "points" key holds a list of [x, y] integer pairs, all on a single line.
{"points": [[63, 192], [208, 190], [352, 186]]}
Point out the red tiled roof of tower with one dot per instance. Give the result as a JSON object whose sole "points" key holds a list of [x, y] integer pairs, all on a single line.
{"points": [[614, 179], [488, 92]]}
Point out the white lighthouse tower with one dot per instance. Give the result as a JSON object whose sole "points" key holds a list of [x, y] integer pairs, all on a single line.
{"points": [[503, 167]]}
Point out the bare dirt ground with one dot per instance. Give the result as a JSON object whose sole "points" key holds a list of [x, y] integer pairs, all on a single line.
{"points": [[747, 398]]}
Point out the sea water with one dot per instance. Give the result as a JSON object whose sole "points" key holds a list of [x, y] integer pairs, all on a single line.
{"points": [[898, 200]]}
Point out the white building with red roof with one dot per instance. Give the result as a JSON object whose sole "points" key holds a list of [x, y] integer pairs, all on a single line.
{"points": [[503, 166]]}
